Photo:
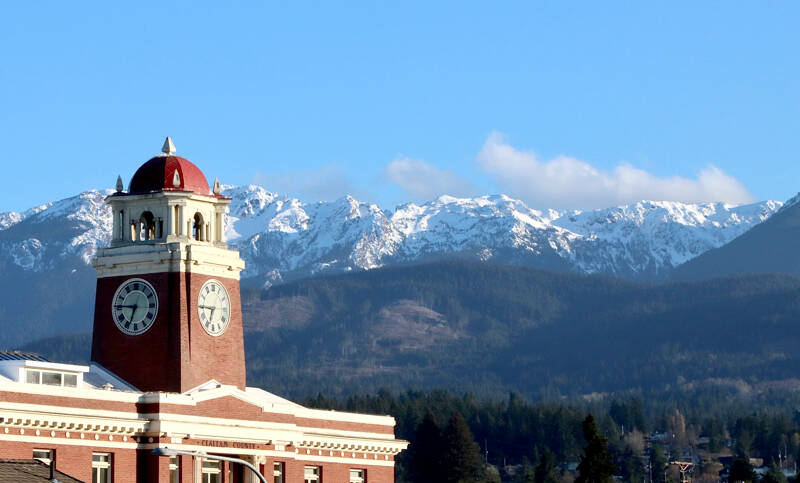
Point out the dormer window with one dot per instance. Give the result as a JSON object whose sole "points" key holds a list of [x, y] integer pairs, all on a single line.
{"points": [[51, 378], [27, 368]]}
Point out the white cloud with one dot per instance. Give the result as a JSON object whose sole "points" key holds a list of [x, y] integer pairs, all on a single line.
{"points": [[565, 182], [423, 182], [322, 184]]}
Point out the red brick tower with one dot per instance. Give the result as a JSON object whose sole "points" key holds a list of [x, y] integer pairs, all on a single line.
{"points": [[167, 311]]}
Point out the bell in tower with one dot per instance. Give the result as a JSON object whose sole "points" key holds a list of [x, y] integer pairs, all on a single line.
{"points": [[167, 307]]}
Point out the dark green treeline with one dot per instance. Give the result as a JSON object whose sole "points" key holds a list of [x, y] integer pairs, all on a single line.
{"points": [[543, 438]]}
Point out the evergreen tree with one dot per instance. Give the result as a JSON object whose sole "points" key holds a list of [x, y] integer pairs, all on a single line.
{"points": [[545, 471], [742, 471], [425, 452], [774, 475], [630, 466], [461, 461], [526, 475], [658, 464], [596, 465]]}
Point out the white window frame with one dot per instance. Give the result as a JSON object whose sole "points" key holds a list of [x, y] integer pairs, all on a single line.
{"points": [[360, 475], [102, 465], [278, 470], [312, 474], [38, 377], [210, 472], [175, 466]]}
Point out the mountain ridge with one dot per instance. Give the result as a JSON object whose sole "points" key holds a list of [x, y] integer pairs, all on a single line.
{"points": [[282, 237], [770, 246], [46, 251], [489, 328]]}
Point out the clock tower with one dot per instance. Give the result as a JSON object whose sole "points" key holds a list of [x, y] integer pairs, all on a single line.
{"points": [[167, 311]]}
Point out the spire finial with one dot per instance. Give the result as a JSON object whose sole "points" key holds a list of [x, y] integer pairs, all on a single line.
{"points": [[217, 188], [168, 147], [120, 187]]}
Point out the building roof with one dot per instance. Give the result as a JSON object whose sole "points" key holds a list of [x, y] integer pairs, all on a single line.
{"points": [[159, 174], [25, 471], [21, 356]]}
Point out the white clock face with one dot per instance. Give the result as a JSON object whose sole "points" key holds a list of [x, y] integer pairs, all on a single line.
{"points": [[214, 308], [135, 306]]}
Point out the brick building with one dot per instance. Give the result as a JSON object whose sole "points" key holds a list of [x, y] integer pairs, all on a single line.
{"points": [[167, 368]]}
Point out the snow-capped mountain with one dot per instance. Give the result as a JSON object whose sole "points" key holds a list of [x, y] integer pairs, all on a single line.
{"points": [[650, 238], [52, 233], [45, 252], [283, 238]]}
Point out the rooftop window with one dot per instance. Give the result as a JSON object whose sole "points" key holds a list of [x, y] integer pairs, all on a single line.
{"points": [[51, 378]]}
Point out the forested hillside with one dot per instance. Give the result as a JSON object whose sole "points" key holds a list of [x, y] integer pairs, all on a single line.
{"points": [[770, 246], [489, 329]]}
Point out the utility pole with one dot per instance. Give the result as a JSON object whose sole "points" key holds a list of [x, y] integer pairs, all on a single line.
{"points": [[684, 467]]}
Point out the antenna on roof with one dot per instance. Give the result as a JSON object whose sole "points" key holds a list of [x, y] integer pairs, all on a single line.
{"points": [[168, 147], [119, 184]]}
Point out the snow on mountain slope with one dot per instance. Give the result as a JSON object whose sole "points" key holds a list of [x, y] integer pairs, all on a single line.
{"points": [[282, 238], [481, 225], [49, 234], [654, 236], [11, 218], [278, 234]]}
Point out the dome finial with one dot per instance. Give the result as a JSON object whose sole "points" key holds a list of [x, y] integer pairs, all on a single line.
{"points": [[120, 187], [168, 147]]}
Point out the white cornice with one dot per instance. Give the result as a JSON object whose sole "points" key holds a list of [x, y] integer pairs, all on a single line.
{"points": [[158, 257]]}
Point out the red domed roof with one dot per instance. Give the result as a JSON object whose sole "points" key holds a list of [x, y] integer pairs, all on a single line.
{"points": [[158, 174]]}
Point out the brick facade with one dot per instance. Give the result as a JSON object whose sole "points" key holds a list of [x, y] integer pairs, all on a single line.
{"points": [[176, 353], [76, 461]]}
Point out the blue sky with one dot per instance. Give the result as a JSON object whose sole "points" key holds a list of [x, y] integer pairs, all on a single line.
{"points": [[562, 104]]}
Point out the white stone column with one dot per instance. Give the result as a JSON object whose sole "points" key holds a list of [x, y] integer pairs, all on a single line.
{"points": [[169, 220], [220, 232], [182, 217]]}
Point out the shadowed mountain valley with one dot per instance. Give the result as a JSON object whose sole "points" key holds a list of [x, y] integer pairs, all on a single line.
{"points": [[489, 328]]}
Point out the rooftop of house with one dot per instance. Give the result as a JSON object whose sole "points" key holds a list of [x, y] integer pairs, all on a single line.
{"points": [[30, 471]]}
